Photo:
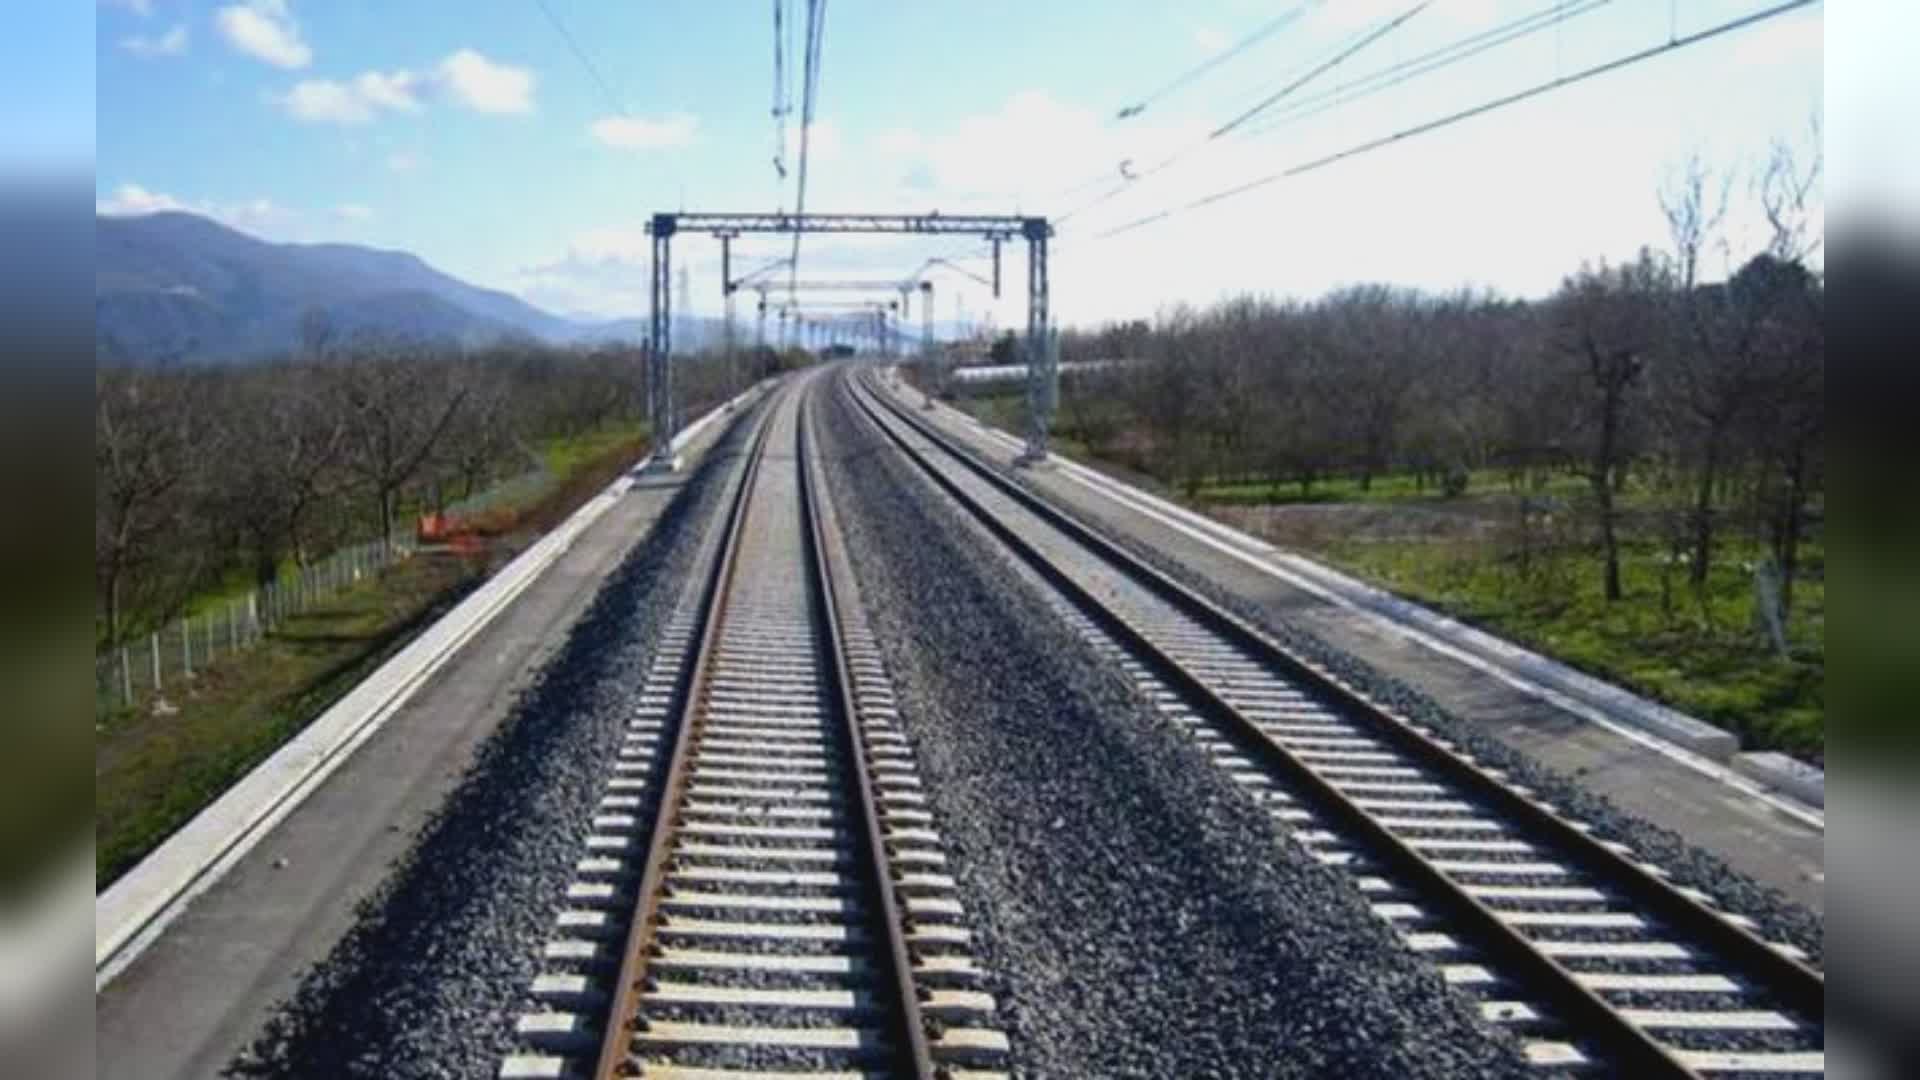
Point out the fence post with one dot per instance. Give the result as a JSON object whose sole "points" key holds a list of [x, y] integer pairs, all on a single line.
{"points": [[126, 679], [233, 629], [186, 647], [155, 640]]}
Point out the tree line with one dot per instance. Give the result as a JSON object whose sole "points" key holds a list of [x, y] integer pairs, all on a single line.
{"points": [[1710, 395], [204, 473]]}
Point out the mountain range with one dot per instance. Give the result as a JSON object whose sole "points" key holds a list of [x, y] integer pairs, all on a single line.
{"points": [[177, 285]]}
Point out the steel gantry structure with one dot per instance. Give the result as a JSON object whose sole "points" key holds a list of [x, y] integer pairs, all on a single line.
{"points": [[994, 228]]}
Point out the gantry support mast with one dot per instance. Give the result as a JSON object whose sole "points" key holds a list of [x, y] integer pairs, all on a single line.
{"points": [[1042, 374]]}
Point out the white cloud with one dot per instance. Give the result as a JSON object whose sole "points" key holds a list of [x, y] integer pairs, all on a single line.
{"points": [[1030, 147], [1211, 40], [825, 143], [1355, 14], [142, 8], [404, 161], [603, 273], [264, 30], [897, 143], [355, 101], [171, 43], [485, 86], [389, 90], [643, 133], [1797, 39], [353, 212], [464, 78], [260, 216], [129, 200]]}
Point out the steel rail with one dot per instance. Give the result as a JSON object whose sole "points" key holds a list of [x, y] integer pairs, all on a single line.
{"points": [[616, 1035], [918, 1054], [910, 1046], [1796, 984]]}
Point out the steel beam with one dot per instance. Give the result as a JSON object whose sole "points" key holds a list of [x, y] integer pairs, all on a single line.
{"points": [[932, 224], [660, 412], [1042, 376]]}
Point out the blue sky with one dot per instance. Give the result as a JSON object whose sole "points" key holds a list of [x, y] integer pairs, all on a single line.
{"points": [[470, 134]]}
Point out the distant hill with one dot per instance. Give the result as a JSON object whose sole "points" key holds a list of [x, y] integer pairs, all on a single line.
{"points": [[176, 284], [179, 285]]}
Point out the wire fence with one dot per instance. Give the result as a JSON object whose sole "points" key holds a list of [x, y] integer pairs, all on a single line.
{"points": [[169, 659]]}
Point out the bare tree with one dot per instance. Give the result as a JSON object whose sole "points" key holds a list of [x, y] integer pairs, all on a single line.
{"points": [[1694, 214], [144, 427], [1609, 321], [395, 407], [283, 447], [1789, 189]]}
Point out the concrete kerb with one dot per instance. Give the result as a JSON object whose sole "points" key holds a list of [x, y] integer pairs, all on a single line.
{"points": [[1791, 775], [133, 912], [1686, 735]]}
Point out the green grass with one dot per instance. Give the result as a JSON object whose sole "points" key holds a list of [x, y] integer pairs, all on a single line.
{"points": [[564, 456], [1388, 488], [1705, 659], [153, 771]]}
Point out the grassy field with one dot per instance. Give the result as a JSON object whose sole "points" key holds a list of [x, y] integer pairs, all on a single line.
{"points": [[566, 456], [155, 767], [153, 770], [1699, 654], [1706, 659], [1387, 488]]}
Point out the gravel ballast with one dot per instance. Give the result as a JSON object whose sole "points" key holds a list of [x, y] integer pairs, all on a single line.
{"points": [[1779, 917], [1139, 915], [436, 968]]}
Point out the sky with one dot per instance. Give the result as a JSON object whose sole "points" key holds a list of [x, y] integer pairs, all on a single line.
{"points": [[475, 136]]}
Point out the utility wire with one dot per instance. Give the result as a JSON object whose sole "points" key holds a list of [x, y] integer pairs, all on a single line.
{"points": [[1265, 31], [580, 54], [1445, 56], [614, 101], [1673, 44], [782, 98], [809, 93], [1332, 62], [1258, 35], [1132, 177]]}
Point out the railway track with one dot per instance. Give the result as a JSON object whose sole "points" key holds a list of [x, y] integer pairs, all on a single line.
{"points": [[1584, 950], [783, 910]]}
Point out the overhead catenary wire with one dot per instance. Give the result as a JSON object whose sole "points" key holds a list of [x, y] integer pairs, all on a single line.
{"points": [[809, 93], [1671, 45], [1261, 33], [1364, 40], [1329, 64], [614, 100], [782, 94], [1435, 60]]}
